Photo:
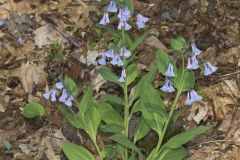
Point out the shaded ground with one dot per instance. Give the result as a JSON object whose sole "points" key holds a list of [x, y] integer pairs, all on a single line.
{"points": [[27, 69]]}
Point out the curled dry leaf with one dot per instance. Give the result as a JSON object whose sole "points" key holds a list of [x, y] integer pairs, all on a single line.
{"points": [[46, 35], [222, 95], [31, 75], [4, 99]]}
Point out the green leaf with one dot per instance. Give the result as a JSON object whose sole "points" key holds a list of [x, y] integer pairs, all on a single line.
{"points": [[111, 128], [124, 141], [154, 117], [110, 151], [108, 75], [148, 78], [71, 118], [32, 110], [93, 119], [173, 154], [130, 5], [141, 130], [86, 102], [112, 99], [139, 40], [162, 61], [182, 138], [188, 80], [6, 144], [127, 40], [133, 156], [75, 152], [71, 86], [132, 73], [179, 44], [108, 114], [151, 97]]}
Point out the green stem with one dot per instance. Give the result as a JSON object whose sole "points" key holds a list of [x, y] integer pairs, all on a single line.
{"points": [[156, 151], [98, 150], [126, 115]]}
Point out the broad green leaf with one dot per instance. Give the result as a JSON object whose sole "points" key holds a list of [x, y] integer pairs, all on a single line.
{"points": [[32, 110], [182, 138], [108, 114], [173, 154], [133, 156], [132, 73], [108, 75], [162, 61], [111, 128], [130, 5], [113, 100], [93, 119], [178, 44], [86, 102], [71, 86], [127, 40], [137, 106], [6, 144], [154, 117], [148, 78], [141, 130], [188, 80], [71, 118], [110, 151], [139, 40], [124, 141], [151, 97], [75, 152]]}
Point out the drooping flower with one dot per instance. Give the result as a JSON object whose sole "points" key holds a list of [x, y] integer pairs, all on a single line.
{"points": [[124, 52], [112, 7], [209, 68], [195, 50], [116, 60], [1, 23], [64, 95], [169, 72], [66, 98], [124, 14], [167, 87], [105, 20], [68, 101], [192, 97], [59, 85], [124, 25], [51, 95], [123, 76], [141, 20], [102, 61], [192, 63], [109, 53], [20, 40]]}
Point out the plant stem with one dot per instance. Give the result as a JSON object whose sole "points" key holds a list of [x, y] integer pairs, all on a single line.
{"points": [[156, 151], [98, 150], [126, 115]]}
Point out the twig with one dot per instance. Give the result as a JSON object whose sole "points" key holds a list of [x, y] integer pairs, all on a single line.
{"points": [[229, 74], [213, 141]]}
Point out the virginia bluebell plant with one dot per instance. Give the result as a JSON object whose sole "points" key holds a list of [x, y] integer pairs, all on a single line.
{"points": [[112, 114]]}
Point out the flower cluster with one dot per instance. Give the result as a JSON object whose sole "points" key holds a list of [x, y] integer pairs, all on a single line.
{"points": [[65, 98], [193, 64], [124, 14]]}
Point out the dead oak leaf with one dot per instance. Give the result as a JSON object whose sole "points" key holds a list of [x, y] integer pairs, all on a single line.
{"points": [[31, 75]]}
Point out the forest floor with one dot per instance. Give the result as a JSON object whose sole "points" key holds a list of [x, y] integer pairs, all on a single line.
{"points": [[59, 37]]}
